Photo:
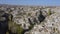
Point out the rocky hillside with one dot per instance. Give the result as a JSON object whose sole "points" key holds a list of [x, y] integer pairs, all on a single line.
{"points": [[35, 19]]}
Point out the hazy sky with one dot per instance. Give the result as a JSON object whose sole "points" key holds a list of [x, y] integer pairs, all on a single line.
{"points": [[31, 2]]}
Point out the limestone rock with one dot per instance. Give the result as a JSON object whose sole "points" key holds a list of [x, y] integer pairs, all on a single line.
{"points": [[50, 26]]}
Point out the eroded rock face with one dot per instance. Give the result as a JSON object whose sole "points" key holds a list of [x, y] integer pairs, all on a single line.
{"points": [[49, 26]]}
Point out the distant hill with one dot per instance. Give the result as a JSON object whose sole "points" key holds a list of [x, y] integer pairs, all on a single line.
{"points": [[7, 5]]}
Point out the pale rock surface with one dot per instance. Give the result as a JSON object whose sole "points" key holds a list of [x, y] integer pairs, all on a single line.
{"points": [[51, 25]]}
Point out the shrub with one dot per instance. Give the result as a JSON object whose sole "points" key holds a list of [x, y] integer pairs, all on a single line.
{"points": [[19, 29], [15, 28], [49, 12]]}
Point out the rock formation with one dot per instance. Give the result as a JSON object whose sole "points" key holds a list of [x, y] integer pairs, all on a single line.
{"points": [[34, 19]]}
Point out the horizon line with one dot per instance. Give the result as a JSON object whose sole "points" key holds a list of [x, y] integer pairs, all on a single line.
{"points": [[27, 5]]}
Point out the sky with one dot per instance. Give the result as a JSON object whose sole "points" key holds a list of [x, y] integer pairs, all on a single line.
{"points": [[31, 2]]}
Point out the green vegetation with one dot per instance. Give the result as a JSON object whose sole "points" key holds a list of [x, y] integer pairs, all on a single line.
{"points": [[31, 27], [29, 14], [15, 28], [19, 30], [49, 12]]}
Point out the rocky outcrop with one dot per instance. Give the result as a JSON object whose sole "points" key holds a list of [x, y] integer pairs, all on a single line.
{"points": [[49, 26], [35, 20]]}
